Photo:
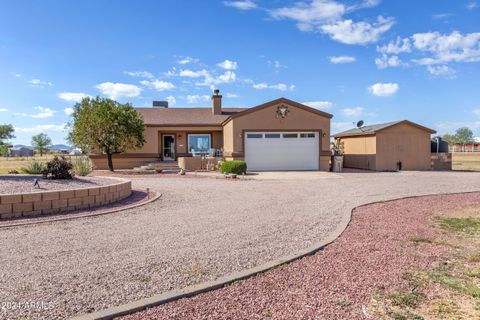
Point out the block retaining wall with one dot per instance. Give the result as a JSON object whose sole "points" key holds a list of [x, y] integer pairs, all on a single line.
{"points": [[48, 202]]}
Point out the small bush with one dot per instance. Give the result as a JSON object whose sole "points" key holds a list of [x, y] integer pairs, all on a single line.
{"points": [[35, 167], [13, 172], [82, 166], [58, 168], [234, 166]]}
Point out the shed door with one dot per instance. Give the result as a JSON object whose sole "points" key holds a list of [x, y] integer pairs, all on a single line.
{"points": [[282, 151]]}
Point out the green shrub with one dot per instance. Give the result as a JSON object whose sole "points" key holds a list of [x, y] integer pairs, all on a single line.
{"points": [[58, 168], [82, 166], [234, 166], [35, 167]]}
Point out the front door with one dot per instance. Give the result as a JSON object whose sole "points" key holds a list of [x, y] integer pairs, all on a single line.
{"points": [[168, 147]]}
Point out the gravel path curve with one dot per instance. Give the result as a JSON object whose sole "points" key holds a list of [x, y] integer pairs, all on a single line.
{"points": [[199, 230], [23, 184], [338, 282]]}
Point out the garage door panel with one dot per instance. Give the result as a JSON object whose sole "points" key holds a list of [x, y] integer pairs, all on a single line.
{"points": [[263, 154]]}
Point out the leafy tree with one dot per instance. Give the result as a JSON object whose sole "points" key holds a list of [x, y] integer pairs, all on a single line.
{"points": [[40, 142], [3, 150], [6, 132], [464, 135], [451, 139], [104, 125]]}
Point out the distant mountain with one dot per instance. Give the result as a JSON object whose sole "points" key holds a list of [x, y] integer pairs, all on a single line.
{"points": [[59, 147], [22, 146]]}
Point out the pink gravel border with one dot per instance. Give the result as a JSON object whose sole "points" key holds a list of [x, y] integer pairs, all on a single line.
{"points": [[136, 199], [371, 253]]}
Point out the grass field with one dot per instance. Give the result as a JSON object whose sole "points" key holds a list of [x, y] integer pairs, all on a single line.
{"points": [[17, 163], [466, 161]]}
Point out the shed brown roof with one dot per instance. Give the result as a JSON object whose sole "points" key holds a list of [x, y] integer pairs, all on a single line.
{"points": [[185, 116], [372, 129]]}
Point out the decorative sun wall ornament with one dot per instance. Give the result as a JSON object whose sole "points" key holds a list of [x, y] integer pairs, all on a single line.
{"points": [[282, 111]]}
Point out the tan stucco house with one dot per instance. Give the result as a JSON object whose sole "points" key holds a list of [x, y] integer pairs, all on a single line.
{"points": [[388, 146], [278, 135]]}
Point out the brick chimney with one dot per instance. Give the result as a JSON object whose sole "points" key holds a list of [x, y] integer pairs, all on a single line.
{"points": [[216, 102]]}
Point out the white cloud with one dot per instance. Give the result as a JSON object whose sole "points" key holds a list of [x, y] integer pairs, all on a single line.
{"points": [[226, 77], [383, 89], [140, 74], [197, 98], [42, 128], [208, 78], [73, 96], [68, 111], [395, 47], [444, 48], [321, 105], [193, 74], [119, 90], [449, 126], [158, 85], [476, 112], [40, 113], [16, 75], [310, 16], [231, 95], [278, 86], [276, 64], [341, 126], [40, 83], [241, 4], [433, 48], [442, 70], [187, 60], [341, 59], [386, 61], [352, 112], [228, 65], [471, 5], [440, 16], [349, 32], [171, 100], [3, 110]]}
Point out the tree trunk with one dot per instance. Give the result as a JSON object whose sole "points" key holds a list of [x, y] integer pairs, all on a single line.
{"points": [[110, 163]]}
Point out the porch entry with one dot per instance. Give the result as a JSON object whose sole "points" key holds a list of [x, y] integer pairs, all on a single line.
{"points": [[168, 146]]}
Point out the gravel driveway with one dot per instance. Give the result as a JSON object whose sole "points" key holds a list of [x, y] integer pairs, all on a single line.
{"points": [[201, 229]]}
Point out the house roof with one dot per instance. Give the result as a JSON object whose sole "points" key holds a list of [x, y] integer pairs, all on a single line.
{"points": [[277, 101], [205, 116], [185, 116], [374, 128]]}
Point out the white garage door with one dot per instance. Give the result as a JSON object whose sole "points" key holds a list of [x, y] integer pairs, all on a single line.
{"points": [[282, 151]]}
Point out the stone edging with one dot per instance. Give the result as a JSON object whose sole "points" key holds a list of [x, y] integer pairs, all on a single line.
{"points": [[79, 216], [55, 201], [190, 291]]}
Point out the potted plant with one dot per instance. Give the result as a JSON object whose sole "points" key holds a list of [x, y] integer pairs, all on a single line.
{"points": [[337, 157]]}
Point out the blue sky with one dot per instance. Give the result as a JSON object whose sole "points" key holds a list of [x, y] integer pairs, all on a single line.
{"points": [[358, 59]]}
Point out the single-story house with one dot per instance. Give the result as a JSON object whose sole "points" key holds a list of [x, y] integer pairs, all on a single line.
{"points": [[387, 146], [20, 152], [278, 135]]}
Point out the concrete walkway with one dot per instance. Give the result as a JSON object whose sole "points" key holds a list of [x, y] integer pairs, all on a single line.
{"points": [[201, 229]]}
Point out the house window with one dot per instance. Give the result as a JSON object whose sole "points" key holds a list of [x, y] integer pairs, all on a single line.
{"points": [[254, 135], [272, 135], [199, 143], [290, 135], [307, 135]]}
